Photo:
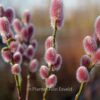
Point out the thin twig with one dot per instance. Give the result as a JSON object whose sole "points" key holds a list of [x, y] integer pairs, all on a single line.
{"points": [[79, 92], [18, 87], [28, 86]]}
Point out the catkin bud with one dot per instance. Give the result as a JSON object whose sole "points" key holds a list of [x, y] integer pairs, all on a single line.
{"points": [[44, 72], [57, 13], [13, 46], [30, 30], [50, 56], [90, 45], [4, 38], [96, 57], [58, 63], [17, 57], [16, 69], [20, 48], [29, 53], [17, 25], [48, 42], [33, 65], [6, 54], [24, 34], [34, 43], [85, 61], [26, 17], [9, 13], [97, 27], [51, 81], [4, 25], [82, 74]]}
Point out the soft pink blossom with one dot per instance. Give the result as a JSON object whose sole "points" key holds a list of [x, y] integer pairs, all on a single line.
{"points": [[48, 42], [10, 14], [85, 61], [57, 13], [26, 17], [13, 46], [90, 45], [44, 72], [4, 25], [33, 65], [17, 57], [6, 55], [82, 74], [51, 81], [16, 69], [50, 56], [17, 25], [58, 63]]}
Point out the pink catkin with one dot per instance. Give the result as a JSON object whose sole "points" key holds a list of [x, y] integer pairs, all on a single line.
{"points": [[26, 17], [33, 65], [82, 74], [13, 46], [85, 61], [90, 45], [30, 30], [6, 55], [4, 25], [51, 81], [16, 69], [9, 13], [96, 57], [97, 25], [10, 35], [20, 48], [58, 63], [51, 56], [48, 42], [24, 34], [44, 72], [17, 57], [30, 52], [17, 25], [57, 13], [34, 43]]}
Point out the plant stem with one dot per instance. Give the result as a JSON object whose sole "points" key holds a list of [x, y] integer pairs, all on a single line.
{"points": [[79, 92], [28, 86], [18, 87], [50, 66], [45, 93], [54, 36]]}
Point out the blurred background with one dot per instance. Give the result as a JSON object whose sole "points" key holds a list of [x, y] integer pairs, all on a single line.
{"points": [[79, 21]]}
